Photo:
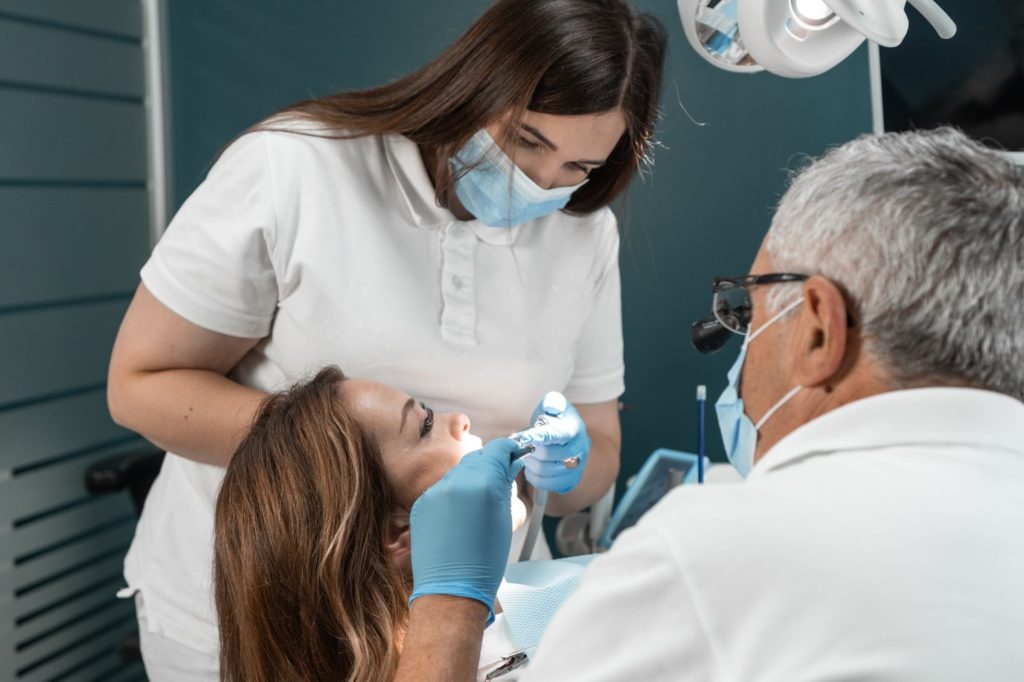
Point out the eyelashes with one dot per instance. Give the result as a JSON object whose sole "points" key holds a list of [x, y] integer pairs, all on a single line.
{"points": [[428, 421], [531, 145]]}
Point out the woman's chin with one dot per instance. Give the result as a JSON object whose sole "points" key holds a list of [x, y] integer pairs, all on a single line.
{"points": [[519, 512]]}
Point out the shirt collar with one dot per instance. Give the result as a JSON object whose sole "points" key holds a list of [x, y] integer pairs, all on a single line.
{"points": [[418, 198], [940, 415], [415, 189]]}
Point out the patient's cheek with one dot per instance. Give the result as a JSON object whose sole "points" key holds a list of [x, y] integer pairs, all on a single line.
{"points": [[437, 461]]}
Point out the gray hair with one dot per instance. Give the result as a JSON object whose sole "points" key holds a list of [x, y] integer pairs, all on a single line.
{"points": [[925, 232]]}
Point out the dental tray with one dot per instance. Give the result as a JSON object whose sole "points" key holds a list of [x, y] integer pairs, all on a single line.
{"points": [[663, 470]]}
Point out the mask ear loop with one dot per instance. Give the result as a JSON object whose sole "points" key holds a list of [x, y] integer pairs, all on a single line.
{"points": [[775, 408], [796, 389]]}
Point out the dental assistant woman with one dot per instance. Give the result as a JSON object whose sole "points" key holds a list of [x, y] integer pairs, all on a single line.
{"points": [[448, 233]]}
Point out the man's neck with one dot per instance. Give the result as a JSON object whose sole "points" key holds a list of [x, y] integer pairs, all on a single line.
{"points": [[816, 401]]}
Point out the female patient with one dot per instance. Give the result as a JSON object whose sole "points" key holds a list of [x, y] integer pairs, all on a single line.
{"points": [[312, 570]]}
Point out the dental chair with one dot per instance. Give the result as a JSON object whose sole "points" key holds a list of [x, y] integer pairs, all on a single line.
{"points": [[579, 533], [133, 471]]}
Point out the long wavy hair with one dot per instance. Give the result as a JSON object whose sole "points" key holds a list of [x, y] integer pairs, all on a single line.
{"points": [[305, 588], [560, 57]]}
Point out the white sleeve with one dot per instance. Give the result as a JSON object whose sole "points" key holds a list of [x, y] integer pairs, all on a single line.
{"points": [[632, 618], [598, 369], [214, 264]]}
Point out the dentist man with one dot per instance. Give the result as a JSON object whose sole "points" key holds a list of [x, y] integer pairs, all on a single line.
{"points": [[875, 410]]}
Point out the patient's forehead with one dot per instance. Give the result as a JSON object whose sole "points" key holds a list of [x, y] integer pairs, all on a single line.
{"points": [[375, 405]]}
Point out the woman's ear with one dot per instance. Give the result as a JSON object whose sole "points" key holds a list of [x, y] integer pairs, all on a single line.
{"points": [[823, 343], [398, 542]]}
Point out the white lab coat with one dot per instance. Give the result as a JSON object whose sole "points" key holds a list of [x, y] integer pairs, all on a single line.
{"points": [[881, 541]]}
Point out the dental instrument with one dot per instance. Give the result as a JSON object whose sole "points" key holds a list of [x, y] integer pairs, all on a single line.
{"points": [[568, 462], [523, 452], [507, 664], [540, 497]]}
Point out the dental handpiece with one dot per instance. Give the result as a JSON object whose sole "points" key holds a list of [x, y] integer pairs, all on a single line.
{"points": [[540, 497], [568, 462], [542, 420], [523, 451]]}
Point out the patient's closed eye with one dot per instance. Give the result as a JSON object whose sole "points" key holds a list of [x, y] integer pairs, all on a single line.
{"points": [[428, 421]]}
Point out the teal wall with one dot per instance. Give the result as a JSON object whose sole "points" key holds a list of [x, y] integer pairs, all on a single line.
{"points": [[703, 213], [73, 233]]}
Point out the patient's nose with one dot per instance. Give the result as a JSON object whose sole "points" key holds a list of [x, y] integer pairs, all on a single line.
{"points": [[458, 424]]}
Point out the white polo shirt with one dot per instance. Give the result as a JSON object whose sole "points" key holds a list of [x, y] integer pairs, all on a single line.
{"points": [[335, 252], [881, 541]]}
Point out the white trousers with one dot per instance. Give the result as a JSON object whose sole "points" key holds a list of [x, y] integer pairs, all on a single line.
{"points": [[170, 661]]}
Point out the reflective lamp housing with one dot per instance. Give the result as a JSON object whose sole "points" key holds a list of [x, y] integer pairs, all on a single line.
{"points": [[797, 38]]}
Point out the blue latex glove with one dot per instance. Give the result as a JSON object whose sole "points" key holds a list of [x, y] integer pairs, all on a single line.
{"points": [[461, 527], [562, 437]]}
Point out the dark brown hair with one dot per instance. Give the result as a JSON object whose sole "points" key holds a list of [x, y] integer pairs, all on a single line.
{"points": [[561, 57], [304, 585]]}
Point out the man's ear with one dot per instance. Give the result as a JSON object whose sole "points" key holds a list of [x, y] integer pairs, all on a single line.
{"points": [[822, 334], [398, 543]]}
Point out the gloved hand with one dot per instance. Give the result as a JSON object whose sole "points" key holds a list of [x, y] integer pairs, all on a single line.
{"points": [[563, 436], [461, 527]]}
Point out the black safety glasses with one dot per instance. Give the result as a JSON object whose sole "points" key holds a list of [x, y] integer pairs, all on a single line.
{"points": [[731, 309]]}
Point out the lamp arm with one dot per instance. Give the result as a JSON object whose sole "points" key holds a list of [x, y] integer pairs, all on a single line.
{"points": [[936, 16]]}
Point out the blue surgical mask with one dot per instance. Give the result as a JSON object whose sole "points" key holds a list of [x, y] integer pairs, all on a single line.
{"points": [[739, 434], [496, 191]]}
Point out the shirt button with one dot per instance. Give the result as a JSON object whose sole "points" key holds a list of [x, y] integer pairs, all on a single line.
{"points": [[456, 281]]}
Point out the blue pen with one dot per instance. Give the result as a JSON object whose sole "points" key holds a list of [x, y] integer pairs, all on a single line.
{"points": [[702, 395]]}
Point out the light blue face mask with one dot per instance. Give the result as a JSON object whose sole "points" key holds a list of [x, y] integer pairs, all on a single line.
{"points": [[496, 191], [739, 434]]}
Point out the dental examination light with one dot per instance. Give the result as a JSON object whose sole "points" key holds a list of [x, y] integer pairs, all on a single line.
{"points": [[798, 38]]}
